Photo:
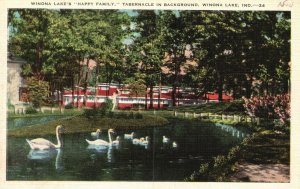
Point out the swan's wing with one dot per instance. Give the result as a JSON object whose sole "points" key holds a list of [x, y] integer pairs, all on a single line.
{"points": [[98, 142], [40, 143]]}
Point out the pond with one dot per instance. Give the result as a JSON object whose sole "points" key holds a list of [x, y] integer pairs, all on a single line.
{"points": [[159, 161], [14, 123]]}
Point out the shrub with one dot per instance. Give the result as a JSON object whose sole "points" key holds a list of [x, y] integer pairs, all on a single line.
{"points": [[110, 114], [89, 113], [131, 115], [30, 110], [69, 106], [9, 104], [233, 153], [139, 116], [271, 107], [219, 161], [38, 91], [235, 107], [108, 105]]}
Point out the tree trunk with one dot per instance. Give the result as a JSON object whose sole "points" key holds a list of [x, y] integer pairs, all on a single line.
{"points": [[146, 99], [159, 91], [86, 82], [151, 97], [73, 90], [220, 87], [174, 95]]}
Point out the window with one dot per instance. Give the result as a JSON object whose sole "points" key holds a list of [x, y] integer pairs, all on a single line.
{"points": [[104, 88], [91, 98]]}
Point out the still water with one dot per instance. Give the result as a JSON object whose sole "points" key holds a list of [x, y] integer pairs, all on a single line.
{"points": [[14, 123], [196, 144]]}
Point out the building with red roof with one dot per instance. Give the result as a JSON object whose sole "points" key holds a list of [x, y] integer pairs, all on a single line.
{"points": [[123, 99]]}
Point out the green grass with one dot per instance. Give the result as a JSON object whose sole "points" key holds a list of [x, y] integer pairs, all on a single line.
{"points": [[81, 124], [46, 113], [233, 107], [265, 147]]}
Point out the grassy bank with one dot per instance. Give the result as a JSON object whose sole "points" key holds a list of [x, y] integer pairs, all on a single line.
{"points": [[233, 107], [265, 147], [81, 124], [46, 113]]}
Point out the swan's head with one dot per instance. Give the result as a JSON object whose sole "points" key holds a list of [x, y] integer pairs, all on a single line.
{"points": [[98, 131], [118, 138], [133, 134], [147, 138], [164, 137], [111, 131], [60, 129]]}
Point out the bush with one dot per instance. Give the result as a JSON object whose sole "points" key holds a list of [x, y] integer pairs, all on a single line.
{"points": [[270, 107], [69, 106], [38, 91], [108, 105], [30, 110], [219, 161], [10, 105], [139, 116], [235, 107], [89, 113], [110, 114]]}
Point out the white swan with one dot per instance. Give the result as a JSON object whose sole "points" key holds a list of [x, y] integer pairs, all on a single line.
{"points": [[142, 141], [96, 134], [100, 142], [145, 141], [135, 141], [43, 144], [174, 144], [116, 142], [129, 136], [165, 139]]}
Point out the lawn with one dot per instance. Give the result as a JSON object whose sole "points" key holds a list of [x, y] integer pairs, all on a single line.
{"points": [[233, 107]]}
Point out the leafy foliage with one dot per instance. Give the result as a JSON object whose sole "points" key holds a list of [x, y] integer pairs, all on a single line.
{"points": [[38, 91], [271, 107], [30, 110]]}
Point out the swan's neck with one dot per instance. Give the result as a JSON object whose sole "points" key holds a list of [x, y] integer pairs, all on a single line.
{"points": [[59, 141], [109, 137]]}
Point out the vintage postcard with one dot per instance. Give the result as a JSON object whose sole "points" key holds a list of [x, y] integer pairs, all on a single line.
{"points": [[149, 94]]}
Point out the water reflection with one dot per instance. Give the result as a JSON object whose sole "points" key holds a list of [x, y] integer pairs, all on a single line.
{"points": [[44, 156], [233, 131], [102, 150]]}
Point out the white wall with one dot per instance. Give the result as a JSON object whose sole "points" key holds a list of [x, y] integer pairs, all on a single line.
{"points": [[14, 82]]}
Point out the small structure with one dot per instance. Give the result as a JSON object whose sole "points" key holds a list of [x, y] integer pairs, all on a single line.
{"points": [[16, 87]]}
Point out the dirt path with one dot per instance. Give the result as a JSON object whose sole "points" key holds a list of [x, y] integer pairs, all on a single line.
{"points": [[262, 173]]}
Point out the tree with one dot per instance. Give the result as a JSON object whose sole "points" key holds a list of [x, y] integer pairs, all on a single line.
{"points": [[150, 49], [38, 91], [177, 33], [136, 88]]}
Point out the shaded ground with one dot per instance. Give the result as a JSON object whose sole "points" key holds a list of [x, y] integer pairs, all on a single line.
{"points": [[262, 173], [265, 159]]}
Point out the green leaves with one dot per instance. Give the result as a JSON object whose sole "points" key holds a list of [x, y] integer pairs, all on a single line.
{"points": [[38, 91]]}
